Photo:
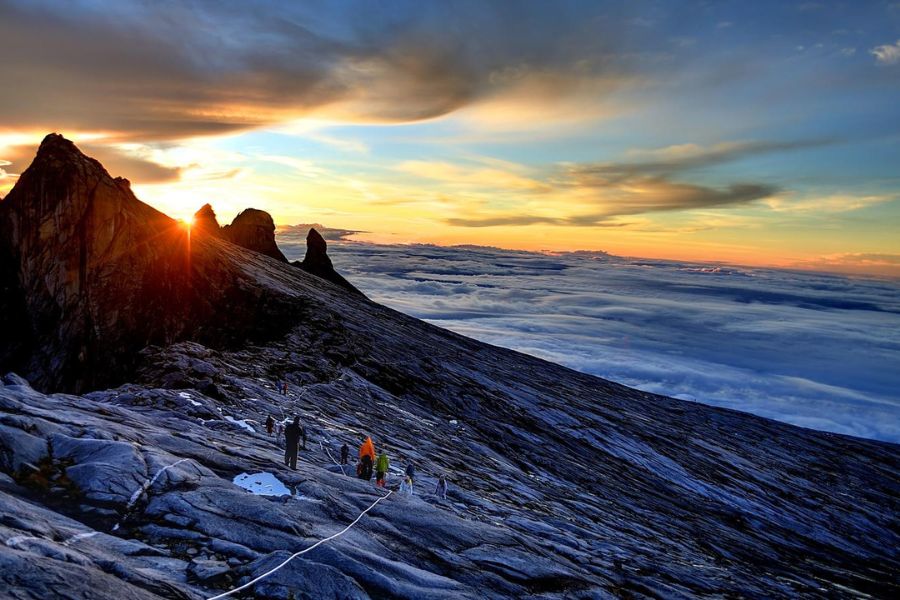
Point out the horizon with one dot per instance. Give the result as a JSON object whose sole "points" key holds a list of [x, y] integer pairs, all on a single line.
{"points": [[763, 136], [892, 275]]}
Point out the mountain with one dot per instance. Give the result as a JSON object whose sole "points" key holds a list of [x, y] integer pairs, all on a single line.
{"points": [[123, 453]]}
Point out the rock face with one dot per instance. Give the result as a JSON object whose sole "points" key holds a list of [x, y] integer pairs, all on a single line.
{"points": [[562, 485], [90, 275], [255, 230], [319, 264], [205, 222]]}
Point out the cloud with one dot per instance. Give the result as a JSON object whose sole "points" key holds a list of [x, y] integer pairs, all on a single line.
{"points": [[684, 157], [628, 187], [887, 54], [144, 71], [856, 264], [653, 196], [811, 349], [469, 175], [830, 203]]}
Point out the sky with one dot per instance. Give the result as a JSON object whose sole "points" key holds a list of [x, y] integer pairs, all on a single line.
{"points": [[811, 349], [764, 133]]}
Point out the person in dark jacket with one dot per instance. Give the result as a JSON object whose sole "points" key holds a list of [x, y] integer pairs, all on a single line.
{"points": [[292, 435], [270, 424], [345, 454], [440, 490]]}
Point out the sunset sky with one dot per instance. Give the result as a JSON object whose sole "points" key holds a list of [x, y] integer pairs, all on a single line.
{"points": [[756, 133]]}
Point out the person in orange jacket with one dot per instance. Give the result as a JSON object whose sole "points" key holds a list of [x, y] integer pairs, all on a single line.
{"points": [[366, 459]]}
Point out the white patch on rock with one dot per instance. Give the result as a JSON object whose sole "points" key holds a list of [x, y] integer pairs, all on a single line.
{"points": [[261, 484]]}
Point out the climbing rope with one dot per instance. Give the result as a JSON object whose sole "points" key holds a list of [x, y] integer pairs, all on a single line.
{"points": [[325, 448], [301, 552]]}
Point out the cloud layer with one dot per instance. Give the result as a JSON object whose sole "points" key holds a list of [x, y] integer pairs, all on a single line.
{"points": [[810, 349]]}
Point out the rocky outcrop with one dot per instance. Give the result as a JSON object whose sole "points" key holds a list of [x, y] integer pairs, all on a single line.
{"points": [[318, 263], [205, 222], [255, 230], [90, 275]]}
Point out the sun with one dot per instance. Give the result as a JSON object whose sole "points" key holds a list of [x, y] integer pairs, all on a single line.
{"points": [[186, 222]]}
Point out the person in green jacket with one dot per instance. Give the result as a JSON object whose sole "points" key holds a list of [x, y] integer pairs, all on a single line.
{"points": [[381, 469]]}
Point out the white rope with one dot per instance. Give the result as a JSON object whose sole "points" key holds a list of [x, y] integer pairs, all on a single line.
{"points": [[325, 448], [144, 487], [296, 554]]}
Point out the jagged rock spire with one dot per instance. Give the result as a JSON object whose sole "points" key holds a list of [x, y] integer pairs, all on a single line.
{"points": [[318, 263]]}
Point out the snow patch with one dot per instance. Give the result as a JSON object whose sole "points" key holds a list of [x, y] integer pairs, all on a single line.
{"points": [[187, 397], [261, 484], [242, 423]]}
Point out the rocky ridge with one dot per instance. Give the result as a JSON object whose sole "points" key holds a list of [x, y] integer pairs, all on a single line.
{"points": [[562, 485]]}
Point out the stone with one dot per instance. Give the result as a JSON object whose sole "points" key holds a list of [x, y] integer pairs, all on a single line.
{"points": [[208, 571]]}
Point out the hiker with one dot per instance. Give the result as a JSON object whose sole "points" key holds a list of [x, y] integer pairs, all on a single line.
{"points": [[440, 490], [284, 388], [279, 432], [292, 435], [364, 469], [407, 484], [367, 458], [270, 424], [345, 454], [381, 468]]}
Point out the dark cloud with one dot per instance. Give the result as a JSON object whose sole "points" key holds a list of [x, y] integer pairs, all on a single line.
{"points": [[118, 163], [164, 71], [657, 195], [681, 158]]}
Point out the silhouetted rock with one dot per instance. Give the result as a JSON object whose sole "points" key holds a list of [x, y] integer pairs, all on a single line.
{"points": [[319, 264], [205, 221], [255, 230], [90, 275]]}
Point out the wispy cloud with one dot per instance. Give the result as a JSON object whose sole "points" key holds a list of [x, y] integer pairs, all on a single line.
{"points": [[472, 175], [860, 263], [887, 54], [647, 183]]}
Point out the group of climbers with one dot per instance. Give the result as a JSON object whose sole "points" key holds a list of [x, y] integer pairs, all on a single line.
{"points": [[367, 465], [381, 465]]}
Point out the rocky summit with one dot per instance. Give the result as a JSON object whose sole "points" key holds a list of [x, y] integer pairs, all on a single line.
{"points": [[142, 361], [254, 229]]}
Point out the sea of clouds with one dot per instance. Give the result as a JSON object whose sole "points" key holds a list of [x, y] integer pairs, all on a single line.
{"points": [[811, 349]]}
